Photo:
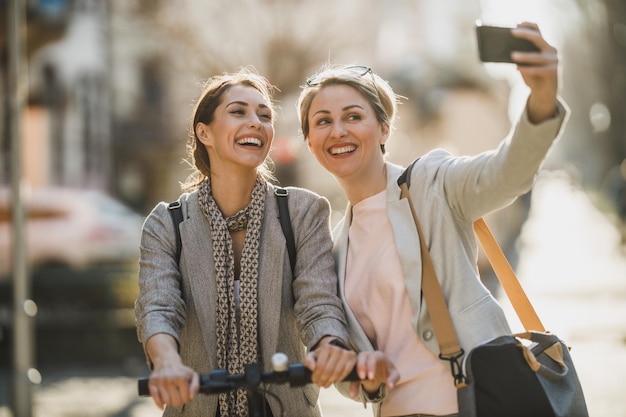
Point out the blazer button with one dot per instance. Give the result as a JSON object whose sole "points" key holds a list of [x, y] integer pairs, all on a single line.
{"points": [[427, 335]]}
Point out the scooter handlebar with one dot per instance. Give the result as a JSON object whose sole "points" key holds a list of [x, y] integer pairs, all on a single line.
{"points": [[219, 381]]}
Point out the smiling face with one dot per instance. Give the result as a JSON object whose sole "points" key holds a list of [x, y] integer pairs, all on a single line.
{"points": [[241, 131], [344, 134]]}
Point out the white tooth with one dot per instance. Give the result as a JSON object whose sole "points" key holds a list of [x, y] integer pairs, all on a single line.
{"points": [[342, 150], [252, 141]]}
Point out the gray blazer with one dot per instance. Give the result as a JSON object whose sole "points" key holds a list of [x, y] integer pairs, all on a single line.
{"points": [[292, 312], [449, 193]]}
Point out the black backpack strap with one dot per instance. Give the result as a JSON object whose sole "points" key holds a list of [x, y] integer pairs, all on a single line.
{"points": [[285, 222], [175, 209], [176, 212], [406, 175]]}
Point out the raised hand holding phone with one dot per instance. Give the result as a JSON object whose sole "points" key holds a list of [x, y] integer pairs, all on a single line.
{"points": [[537, 62], [496, 44]]}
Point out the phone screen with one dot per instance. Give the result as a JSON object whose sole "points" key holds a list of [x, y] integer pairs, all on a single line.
{"points": [[495, 44]]}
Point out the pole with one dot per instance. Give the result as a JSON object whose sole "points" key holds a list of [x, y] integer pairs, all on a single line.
{"points": [[24, 309]]}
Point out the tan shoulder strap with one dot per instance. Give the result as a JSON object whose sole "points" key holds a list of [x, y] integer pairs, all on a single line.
{"points": [[437, 307], [435, 300], [511, 285]]}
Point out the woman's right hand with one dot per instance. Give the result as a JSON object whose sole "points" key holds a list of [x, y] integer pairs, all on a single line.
{"points": [[540, 71], [374, 369], [171, 382]]}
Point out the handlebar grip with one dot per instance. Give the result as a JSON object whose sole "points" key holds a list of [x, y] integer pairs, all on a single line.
{"points": [[142, 387], [352, 376], [299, 374]]}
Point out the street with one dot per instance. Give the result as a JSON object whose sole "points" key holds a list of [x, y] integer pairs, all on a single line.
{"points": [[570, 265], [575, 275]]}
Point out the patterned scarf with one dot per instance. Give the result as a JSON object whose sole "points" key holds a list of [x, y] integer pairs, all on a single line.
{"points": [[236, 330]]}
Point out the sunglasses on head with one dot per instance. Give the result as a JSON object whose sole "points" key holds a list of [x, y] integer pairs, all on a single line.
{"points": [[359, 70]]}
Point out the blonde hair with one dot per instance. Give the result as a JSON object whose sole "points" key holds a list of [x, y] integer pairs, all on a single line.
{"points": [[371, 86]]}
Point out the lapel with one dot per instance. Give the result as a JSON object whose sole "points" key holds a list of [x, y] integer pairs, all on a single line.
{"points": [[406, 238], [340, 249], [271, 275], [196, 233]]}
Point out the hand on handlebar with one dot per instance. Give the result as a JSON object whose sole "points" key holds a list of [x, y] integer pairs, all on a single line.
{"points": [[219, 381], [374, 369], [330, 363], [173, 384]]}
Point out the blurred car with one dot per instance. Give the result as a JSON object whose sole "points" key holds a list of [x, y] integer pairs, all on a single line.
{"points": [[76, 228]]}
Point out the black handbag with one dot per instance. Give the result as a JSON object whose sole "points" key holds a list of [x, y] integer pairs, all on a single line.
{"points": [[529, 374]]}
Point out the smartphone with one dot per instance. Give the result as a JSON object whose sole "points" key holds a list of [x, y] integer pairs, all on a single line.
{"points": [[495, 44]]}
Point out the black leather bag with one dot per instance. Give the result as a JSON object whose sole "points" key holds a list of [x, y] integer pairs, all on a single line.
{"points": [[507, 377]]}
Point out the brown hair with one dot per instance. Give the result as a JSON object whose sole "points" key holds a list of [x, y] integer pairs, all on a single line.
{"points": [[213, 90]]}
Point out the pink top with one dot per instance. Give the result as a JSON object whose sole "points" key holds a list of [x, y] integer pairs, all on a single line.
{"points": [[377, 295]]}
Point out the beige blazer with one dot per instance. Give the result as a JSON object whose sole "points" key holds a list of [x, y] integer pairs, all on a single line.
{"points": [[292, 312], [449, 193]]}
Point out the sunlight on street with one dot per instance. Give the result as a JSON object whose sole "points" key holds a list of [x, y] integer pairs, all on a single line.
{"points": [[574, 273]]}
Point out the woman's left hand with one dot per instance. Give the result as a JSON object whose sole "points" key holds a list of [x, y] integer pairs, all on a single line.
{"points": [[374, 369], [539, 71]]}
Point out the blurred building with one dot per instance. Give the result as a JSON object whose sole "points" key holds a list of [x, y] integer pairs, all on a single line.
{"points": [[95, 96], [112, 84]]}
